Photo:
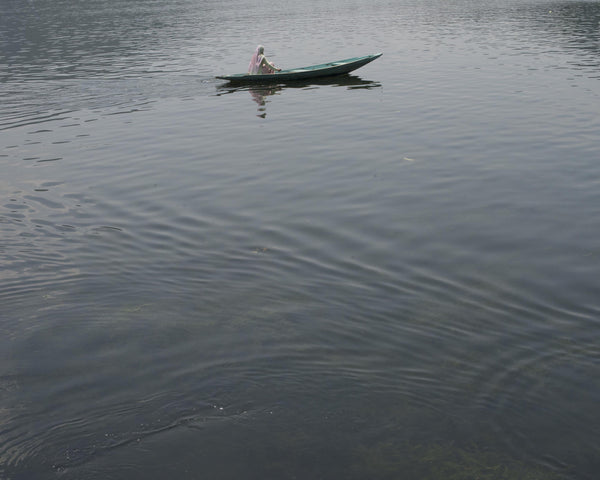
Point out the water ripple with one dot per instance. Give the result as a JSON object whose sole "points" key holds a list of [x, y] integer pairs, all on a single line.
{"points": [[399, 259]]}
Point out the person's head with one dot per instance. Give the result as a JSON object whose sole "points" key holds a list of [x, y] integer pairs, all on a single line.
{"points": [[260, 49]]}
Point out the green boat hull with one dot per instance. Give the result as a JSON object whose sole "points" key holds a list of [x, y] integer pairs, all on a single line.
{"points": [[338, 67]]}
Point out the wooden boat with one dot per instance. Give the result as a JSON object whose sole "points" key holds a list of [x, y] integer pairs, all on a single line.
{"points": [[314, 71]]}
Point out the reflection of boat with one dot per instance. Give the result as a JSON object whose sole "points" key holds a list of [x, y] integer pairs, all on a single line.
{"points": [[351, 82], [314, 71], [259, 93]]}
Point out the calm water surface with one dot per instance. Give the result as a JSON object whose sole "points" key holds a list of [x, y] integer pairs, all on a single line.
{"points": [[393, 274]]}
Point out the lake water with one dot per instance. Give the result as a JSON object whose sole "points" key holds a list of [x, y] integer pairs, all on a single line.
{"points": [[392, 274]]}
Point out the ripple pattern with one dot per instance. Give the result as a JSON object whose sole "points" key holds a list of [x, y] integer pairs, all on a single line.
{"points": [[361, 277]]}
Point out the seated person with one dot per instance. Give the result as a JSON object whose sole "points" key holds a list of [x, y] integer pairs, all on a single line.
{"points": [[259, 63]]}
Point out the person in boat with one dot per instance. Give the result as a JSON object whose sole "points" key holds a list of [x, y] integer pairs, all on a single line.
{"points": [[259, 64]]}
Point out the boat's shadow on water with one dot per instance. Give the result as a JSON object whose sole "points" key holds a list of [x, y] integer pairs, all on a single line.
{"points": [[259, 93]]}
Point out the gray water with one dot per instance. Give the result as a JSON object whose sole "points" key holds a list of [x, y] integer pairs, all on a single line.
{"points": [[392, 274]]}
